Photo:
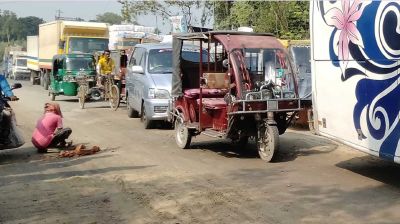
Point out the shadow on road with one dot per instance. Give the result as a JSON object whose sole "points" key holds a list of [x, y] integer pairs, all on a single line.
{"points": [[380, 170], [292, 145]]}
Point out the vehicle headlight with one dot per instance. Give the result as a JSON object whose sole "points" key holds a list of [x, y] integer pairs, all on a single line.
{"points": [[158, 93]]}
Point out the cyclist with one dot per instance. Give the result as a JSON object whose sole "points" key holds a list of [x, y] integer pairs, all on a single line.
{"points": [[106, 67]]}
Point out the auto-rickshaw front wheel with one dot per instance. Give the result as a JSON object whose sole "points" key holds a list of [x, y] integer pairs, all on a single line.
{"points": [[183, 137], [268, 143]]}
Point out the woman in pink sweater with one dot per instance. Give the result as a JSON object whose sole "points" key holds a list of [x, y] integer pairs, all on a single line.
{"points": [[49, 131]]}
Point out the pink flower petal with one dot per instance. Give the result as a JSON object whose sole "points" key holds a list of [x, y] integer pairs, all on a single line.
{"points": [[334, 17], [354, 6], [356, 13], [346, 6], [354, 35], [343, 46]]}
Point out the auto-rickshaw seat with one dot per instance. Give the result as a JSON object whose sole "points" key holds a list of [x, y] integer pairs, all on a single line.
{"points": [[206, 93], [213, 103]]}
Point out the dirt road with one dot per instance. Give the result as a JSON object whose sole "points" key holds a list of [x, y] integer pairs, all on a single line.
{"points": [[141, 176]]}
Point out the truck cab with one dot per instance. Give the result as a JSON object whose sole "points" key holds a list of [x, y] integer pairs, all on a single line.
{"points": [[20, 68]]}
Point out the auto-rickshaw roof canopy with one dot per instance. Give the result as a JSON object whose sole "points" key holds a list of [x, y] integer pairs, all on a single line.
{"points": [[234, 39]]}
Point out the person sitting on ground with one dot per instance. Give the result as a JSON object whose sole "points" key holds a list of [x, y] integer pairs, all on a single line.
{"points": [[49, 131]]}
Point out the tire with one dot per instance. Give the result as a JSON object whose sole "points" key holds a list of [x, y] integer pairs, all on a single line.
{"points": [[143, 118], [183, 137], [41, 78], [132, 113], [32, 78], [82, 96], [114, 97], [53, 96], [46, 81], [268, 143]]}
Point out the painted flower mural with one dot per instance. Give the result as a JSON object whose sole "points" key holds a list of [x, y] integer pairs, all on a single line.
{"points": [[366, 33], [344, 20]]}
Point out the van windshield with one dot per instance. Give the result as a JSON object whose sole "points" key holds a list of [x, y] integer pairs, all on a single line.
{"points": [[160, 60], [80, 64]]}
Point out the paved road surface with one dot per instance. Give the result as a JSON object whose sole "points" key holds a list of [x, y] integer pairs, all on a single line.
{"points": [[142, 177]]}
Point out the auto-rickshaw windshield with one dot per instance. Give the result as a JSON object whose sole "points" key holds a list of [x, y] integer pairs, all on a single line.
{"points": [[266, 65], [80, 64]]}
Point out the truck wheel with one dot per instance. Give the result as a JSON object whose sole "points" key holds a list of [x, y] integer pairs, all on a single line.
{"points": [[268, 143], [132, 113], [46, 81], [41, 79]]}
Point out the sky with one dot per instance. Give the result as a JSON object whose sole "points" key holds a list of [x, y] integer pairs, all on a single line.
{"points": [[85, 9]]}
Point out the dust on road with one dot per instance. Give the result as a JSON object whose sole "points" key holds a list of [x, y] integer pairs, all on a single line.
{"points": [[142, 177]]}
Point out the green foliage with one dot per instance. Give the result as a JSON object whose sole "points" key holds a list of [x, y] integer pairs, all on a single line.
{"points": [[13, 30], [109, 17], [165, 9], [286, 19]]}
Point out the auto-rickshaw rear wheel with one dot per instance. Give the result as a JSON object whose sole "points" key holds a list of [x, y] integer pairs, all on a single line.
{"points": [[183, 137], [114, 97], [52, 96], [268, 143]]}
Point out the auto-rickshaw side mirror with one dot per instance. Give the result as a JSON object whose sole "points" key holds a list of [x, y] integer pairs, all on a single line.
{"points": [[137, 69]]}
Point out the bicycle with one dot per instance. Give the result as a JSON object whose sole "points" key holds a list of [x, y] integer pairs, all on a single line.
{"points": [[111, 92]]}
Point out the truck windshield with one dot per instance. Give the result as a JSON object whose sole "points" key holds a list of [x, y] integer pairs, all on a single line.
{"points": [[86, 45], [21, 62], [80, 64], [128, 42]]}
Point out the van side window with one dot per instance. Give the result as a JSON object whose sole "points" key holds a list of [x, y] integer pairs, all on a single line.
{"points": [[137, 56]]}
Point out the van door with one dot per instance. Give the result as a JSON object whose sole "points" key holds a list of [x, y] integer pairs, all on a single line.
{"points": [[133, 78]]}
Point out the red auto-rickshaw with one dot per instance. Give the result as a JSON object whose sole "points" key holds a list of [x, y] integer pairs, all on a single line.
{"points": [[242, 86]]}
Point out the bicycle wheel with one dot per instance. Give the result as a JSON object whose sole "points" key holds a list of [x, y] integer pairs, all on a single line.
{"points": [[114, 97], [82, 96]]}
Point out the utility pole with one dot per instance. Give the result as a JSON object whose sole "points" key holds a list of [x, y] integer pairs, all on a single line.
{"points": [[58, 14]]}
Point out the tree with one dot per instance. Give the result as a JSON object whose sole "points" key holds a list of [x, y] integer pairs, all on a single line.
{"points": [[166, 9], [29, 26], [8, 26], [284, 19], [109, 17]]}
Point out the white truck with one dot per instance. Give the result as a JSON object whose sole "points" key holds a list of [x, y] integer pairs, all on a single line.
{"points": [[32, 48], [66, 37], [355, 72], [19, 65]]}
